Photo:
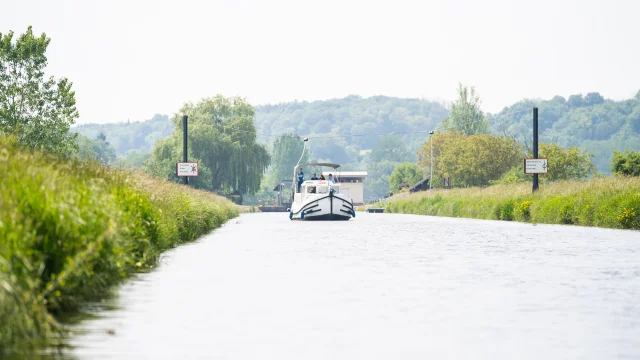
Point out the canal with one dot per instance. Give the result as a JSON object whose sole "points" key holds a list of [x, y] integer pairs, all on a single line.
{"points": [[381, 286]]}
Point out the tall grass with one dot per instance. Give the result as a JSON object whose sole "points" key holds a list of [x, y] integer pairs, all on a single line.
{"points": [[612, 202], [71, 230]]}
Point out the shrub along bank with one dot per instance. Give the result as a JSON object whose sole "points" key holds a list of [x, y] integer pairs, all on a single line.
{"points": [[612, 202], [71, 230]]}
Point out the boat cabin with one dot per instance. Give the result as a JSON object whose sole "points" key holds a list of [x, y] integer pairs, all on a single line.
{"points": [[311, 188]]}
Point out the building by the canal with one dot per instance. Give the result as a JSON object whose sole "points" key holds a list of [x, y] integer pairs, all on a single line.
{"points": [[351, 184]]}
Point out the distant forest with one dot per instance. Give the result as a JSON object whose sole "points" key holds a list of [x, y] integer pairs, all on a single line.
{"points": [[347, 130], [589, 122], [129, 136]]}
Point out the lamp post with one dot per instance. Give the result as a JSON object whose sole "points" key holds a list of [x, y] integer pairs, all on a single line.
{"points": [[431, 176]]}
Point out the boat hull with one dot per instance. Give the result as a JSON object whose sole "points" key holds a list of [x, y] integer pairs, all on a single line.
{"points": [[330, 207]]}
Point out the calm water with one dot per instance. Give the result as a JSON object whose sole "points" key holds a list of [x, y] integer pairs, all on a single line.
{"points": [[381, 286]]}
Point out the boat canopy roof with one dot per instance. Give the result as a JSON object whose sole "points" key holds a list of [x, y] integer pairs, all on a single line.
{"points": [[335, 166]]}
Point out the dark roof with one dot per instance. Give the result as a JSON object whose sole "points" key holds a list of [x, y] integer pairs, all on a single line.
{"points": [[419, 184], [335, 166]]}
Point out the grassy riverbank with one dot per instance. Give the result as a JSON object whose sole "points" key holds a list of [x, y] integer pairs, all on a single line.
{"points": [[612, 202], [69, 231]]}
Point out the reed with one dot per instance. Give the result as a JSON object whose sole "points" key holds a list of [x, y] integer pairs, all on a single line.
{"points": [[612, 202], [70, 230]]}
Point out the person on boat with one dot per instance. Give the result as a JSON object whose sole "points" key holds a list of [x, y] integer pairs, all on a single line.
{"points": [[331, 180], [322, 177], [314, 177], [300, 178]]}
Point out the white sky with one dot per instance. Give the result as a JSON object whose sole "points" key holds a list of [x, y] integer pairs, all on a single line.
{"points": [[132, 59]]}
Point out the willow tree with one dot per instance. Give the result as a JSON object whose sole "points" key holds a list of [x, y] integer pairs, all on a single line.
{"points": [[222, 139]]}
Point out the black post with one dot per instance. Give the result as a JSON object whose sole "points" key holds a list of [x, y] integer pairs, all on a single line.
{"points": [[184, 145], [535, 145]]}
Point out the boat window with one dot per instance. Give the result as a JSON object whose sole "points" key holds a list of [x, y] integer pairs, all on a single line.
{"points": [[311, 189], [322, 189]]}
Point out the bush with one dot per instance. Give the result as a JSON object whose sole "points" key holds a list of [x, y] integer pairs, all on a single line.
{"points": [[626, 163]]}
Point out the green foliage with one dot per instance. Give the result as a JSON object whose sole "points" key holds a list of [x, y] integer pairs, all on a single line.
{"points": [[129, 136], [566, 164], [70, 230], [472, 160], [390, 148], [222, 138], [36, 111], [513, 176], [612, 202], [385, 156], [285, 155], [593, 123], [96, 150], [352, 116], [465, 116], [133, 160], [377, 183], [626, 163], [407, 172]]}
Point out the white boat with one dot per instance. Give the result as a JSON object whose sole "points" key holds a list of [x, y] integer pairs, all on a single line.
{"points": [[319, 199]]}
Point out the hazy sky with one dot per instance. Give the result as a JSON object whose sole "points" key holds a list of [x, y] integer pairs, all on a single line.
{"points": [[132, 59]]}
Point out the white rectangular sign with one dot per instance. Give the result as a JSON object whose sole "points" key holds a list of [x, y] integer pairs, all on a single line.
{"points": [[536, 166], [187, 169]]}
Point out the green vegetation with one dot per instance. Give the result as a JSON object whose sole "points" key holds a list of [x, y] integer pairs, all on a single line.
{"points": [[98, 149], [222, 139], [347, 130], [127, 137], [285, 155], [626, 163], [470, 160], [33, 109], [408, 173], [351, 117], [70, 230], [591, 122], [133, 160], [612, 202], [566, 164], [389, 152], [465, 116]]}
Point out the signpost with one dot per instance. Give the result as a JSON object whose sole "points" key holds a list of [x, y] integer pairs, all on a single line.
{"points": [[187, 169], [536, 166], [535, 147]]}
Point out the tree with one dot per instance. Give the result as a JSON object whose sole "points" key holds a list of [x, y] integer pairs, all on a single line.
{"points": [[626, 163], [472, 160], [285, 155], [465, 116], [575, 100], [222, 139], [566, 164], [98, 150], [377, 184], [390, 148], [385, 156], [405, 173], [593, 98], [36, 111]]}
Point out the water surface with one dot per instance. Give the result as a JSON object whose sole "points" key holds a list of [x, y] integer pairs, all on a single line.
{"points": [[381, 286]]}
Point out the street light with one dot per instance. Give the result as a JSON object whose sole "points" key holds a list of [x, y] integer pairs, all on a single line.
{"points": [[431, 176]]}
